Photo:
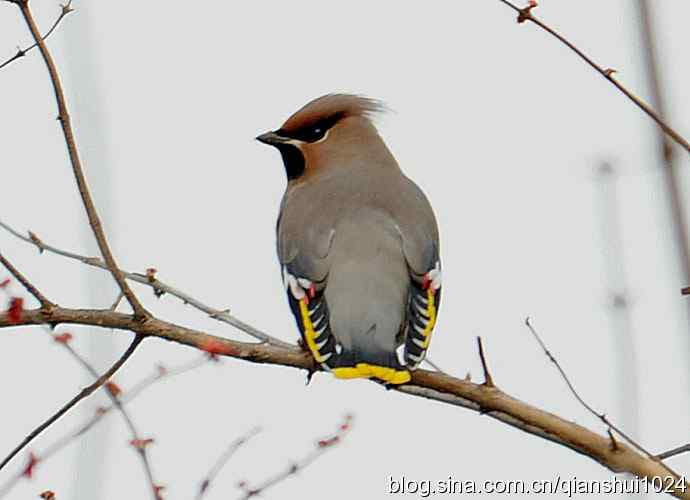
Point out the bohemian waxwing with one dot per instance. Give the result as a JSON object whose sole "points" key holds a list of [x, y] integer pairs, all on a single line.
{"points": [[357, 242]]}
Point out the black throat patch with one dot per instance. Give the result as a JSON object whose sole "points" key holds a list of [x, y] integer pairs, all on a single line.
{"points": [[293, 159]]}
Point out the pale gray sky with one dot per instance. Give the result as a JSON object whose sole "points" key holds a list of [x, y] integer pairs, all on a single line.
{"points": [[499, 124]]}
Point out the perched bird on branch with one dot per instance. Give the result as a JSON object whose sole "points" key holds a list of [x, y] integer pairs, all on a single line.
{"points": [[357, 242]]}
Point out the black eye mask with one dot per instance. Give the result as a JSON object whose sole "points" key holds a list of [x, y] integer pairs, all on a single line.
{"points": [[314, 131]]}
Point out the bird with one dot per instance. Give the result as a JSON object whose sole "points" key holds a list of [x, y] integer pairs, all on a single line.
{"points": [[357, 243]]}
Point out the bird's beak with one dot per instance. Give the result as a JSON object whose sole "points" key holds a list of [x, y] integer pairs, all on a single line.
{"points": [[272, 139]]}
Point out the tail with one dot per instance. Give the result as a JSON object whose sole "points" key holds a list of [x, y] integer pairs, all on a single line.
{"points": [[365, 370], [383, 366]]}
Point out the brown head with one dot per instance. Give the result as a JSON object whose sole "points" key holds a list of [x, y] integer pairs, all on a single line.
{"points": [[327, 132]]}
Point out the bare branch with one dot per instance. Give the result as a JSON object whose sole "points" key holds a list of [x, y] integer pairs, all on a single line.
{"points": [[158, 286], [65, 122], [125, 397], [560, 370], [70, 404], [428, 361], [111, 390], [118, 299], [600, 416], [675, 451], [45, 303], [223, 459], [65, 9], [321, 447], [114, 395], [525, 14], [431, 385]]}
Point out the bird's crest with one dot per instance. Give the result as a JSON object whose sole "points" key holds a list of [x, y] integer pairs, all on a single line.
{"points": [[332, 108]]}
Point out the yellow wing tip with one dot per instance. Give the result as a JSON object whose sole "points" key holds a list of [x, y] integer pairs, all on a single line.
{"points": [[365, 370]]}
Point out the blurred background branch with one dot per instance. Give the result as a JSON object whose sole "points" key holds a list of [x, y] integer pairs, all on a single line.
{"points": [[320, 447], [618, 299], [227, 454], [666, 158]]}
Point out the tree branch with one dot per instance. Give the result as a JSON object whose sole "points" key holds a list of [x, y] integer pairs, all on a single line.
{"points": [[484, 398], [45, 303], [489, 401], [223, 459], [601, 416], [70, 404], [114, 395], [160, 288], [675, 451], [113, 392], [63, 116], [321, 447], [127, 396], [525, 14], [66, 9]]}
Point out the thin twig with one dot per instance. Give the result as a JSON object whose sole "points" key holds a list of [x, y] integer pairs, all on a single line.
{"points": [[525, 14], [64, 341], [118, 299], [82, 360], [488, 381], [82, 394], [66, 9], [321, 447], [223, 459], [433, 365], [600, 416], [65, 122], [161, 373], [675, 451], [562, 372], [45, 303], [158, 286], [126, 397], [117, 403]]}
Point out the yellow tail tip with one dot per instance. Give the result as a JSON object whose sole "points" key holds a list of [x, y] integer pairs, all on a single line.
{"points": [[365, 370]]}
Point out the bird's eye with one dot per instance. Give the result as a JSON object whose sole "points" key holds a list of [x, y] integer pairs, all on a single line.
{"points": [[314, 134], [316, 131]]}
